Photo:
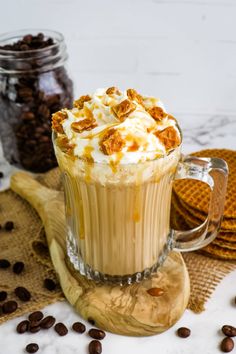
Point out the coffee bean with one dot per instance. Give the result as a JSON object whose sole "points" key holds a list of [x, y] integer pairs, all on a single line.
{"points": [[24, 47], [47, 322], [79, 327], [3, 295], [235, 300], [227, 345], [229, 331], [9, 225], [40, 36], [27, 39], [44, 139], [43, 110], [34, 327], [95, 347], [1, 174], [35, 316], [96, 333], [155, 292], [32, 348], [1, 310], [183, 332], [30, 108], [28, 116], [25, 92], [91, 321], [18, 267], [9, 307], [22, 293], [49, 284], [22, 327], [61, 329], [4, 263], [34, 323]]}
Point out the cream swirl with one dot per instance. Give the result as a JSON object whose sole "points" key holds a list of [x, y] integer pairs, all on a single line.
{"points": [[115, 126]]}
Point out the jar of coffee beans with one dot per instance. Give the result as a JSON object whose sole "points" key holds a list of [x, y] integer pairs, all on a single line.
{"points": [[34, 83]]}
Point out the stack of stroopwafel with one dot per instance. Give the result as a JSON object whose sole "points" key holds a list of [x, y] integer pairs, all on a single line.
{"points": [[190, 202]]}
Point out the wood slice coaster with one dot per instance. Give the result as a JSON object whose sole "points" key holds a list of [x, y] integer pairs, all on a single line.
{"points": [[140, 309]]}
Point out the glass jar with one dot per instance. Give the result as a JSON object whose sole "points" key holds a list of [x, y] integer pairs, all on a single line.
{"points": [[33, 84]]}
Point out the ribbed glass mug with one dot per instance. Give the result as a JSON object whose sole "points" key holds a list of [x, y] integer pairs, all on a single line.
{"points": [[118, 216]]}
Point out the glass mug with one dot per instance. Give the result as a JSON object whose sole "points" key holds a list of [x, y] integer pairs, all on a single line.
{"points": [[118, 216]]}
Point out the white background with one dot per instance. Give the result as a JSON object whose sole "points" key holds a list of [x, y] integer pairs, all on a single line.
{"points": [[182, 51]]}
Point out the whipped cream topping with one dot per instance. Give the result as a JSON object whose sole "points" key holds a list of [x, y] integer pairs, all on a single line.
{"points": [[113, 126]]}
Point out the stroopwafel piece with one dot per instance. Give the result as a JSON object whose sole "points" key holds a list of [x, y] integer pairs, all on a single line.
{"points": [[194, 217], [222, 247], [190, 202], [196, 194], [219, 252], [227, 236]]}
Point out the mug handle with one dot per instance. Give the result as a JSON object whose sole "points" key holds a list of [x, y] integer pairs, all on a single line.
{"points": [[214, 172]]}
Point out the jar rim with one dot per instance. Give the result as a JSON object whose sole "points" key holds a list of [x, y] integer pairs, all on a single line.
{"points": [[16, 35], [32, 60]]}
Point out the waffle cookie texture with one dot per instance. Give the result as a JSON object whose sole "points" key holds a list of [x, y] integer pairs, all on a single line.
{"points": [[190, 203]]}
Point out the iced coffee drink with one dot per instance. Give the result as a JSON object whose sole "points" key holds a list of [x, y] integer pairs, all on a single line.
{"points": [[118, 152]]}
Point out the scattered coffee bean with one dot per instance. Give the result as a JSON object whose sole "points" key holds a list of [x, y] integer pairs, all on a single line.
{"points": [[91, 321], [1, 311], [49, 284], [18, 267], [183, 332], [61, 329], [3, 295], [4, 263], [235, 300], [229, 331], [155, 291], [9, 307], [47, 322], [227, 345], [32, 348], [95, 347], [9, 225], [22, 293], [34, 323], [22, 327], [1, 174], [35, 316], [79, 327], [34, 327], [96, 333]]}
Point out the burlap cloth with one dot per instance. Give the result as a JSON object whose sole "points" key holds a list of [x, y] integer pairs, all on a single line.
{"points": [[27, 243]]}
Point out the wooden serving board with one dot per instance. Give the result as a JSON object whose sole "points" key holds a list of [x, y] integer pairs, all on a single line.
{"points": [[131, 309]]}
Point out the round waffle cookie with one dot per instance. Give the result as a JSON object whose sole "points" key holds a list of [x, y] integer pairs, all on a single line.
{"points": [[194, 212], [222, 247], [227, 236], [195, 217], [224, 244], [196, 194], [219, 252], [184, 220], [189, 219], [177, 221]]}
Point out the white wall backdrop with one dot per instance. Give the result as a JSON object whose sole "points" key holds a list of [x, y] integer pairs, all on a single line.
{"points": [[183, 51]]}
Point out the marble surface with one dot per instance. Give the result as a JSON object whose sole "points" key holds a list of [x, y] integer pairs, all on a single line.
{"points": [[205, 327], [182, 51]]}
